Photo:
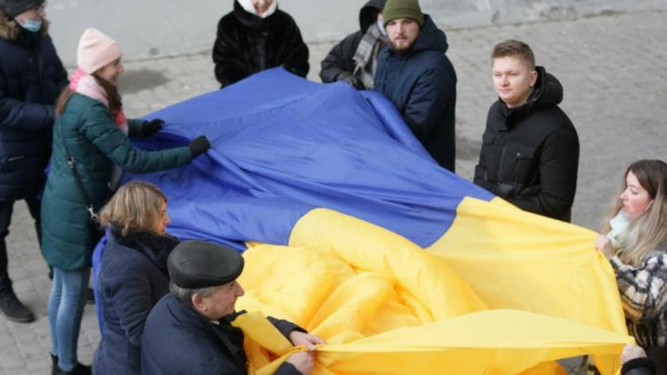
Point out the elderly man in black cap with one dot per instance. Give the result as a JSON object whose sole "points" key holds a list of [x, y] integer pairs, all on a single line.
{"points": [[31, 77], [189, 331]]}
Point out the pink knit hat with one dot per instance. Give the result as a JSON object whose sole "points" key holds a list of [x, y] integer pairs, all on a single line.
{"points": [[96, 50]]}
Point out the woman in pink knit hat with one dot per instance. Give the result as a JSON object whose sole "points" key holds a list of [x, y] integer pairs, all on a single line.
{"points": [[90, 150]]}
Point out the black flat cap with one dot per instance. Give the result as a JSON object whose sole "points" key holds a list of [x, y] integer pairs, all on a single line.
{"points": [[13, 8], [200, 264]]}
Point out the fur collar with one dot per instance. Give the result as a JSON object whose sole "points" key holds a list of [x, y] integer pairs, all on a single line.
{"points": [[154, 246]]}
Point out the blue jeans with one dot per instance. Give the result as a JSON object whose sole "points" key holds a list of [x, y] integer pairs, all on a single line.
{"points": [[66, 303]]}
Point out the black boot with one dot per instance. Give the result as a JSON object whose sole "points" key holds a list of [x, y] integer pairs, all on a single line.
{"points": [[79, 369], [54, 363], [90, 296], [13, 309]]}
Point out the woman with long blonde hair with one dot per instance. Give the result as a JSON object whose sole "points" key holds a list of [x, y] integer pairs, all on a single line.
{"points": [[635, 242]]}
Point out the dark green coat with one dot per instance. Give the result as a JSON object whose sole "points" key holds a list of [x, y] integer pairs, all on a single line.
{"points": [[96, 143]]}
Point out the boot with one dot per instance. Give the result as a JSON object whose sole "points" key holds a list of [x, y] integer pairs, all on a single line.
{"points": [[54, 363], [13, 309], [79, 369]]}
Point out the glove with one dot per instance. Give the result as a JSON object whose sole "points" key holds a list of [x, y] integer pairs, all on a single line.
{"points": [[151, 127], [199, 146], [351, 80]]}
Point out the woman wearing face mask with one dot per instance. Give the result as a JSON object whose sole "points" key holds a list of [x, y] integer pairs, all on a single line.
{"points": [[636, 245], [256, 36], [133, 276], [31, 77], [90, 150]]}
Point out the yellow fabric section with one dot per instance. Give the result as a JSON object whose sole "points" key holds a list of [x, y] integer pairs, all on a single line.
{"points": [[534, 264], [386, 306]]}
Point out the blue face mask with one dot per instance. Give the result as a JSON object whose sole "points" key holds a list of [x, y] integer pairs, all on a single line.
{"points": [[32, 25]]}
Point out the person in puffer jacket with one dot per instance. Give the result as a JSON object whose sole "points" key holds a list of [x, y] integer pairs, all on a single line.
{"points": [[530, 149], [31, 77], [254, 37]]}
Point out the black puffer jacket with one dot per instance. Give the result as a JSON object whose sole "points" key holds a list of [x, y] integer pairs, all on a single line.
{"points": [[530, 154], [247, 44], [31, 77], [340, 58]]}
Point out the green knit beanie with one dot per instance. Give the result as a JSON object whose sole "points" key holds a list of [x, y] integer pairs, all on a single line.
{"points": [[403, 9]]}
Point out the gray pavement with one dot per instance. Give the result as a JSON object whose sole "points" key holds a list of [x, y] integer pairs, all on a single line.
{"points": [[612, 69]]}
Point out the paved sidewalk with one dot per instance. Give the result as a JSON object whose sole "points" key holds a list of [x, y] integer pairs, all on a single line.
{"points": [[612, 70]]}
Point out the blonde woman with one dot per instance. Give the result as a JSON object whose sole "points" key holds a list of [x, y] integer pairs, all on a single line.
{"points": [[133, 275], [636, 245]]}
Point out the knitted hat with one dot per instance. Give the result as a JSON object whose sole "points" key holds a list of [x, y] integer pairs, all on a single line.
{"points": [[403, 9], [12, 8], [96, 50]]}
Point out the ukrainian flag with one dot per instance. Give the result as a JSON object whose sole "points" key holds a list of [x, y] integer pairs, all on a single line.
{"points": [[353, 232]]}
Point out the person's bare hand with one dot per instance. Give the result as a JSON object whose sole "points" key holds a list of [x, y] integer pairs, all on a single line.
{"points": [[303, 361], [603, 244], [631, 352], [306, 339]]}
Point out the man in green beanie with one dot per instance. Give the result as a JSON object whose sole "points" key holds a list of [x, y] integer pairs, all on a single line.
{"points": [[416, 75]]}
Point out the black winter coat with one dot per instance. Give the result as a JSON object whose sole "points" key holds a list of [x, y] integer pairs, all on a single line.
{"points": [[247, 44], [340, 58], [179, 341], [133, 278], [31, 78], [530, 154], [422, 86]]}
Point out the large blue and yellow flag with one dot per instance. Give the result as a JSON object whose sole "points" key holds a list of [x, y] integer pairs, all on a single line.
{"points": [[355, 233]]}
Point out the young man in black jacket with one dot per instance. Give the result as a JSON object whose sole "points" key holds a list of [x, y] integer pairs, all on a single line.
{"points": [[354, 59], [31, 78], [530, 150]]}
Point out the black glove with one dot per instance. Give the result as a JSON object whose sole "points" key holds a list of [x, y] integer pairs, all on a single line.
{"points": [[199, 146], [151, 127], [351, 80]]}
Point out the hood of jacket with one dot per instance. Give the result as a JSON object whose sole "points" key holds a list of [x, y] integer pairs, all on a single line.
{"points": [[10, 30], [548, 91], [430, 38], [368, 13]]}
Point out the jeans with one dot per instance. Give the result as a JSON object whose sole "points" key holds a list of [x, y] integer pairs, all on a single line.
{"points": [[66, 303], [6, 208]]}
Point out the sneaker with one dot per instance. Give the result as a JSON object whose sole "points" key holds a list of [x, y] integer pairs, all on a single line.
{"points": [[13, 309], [79, 369]]}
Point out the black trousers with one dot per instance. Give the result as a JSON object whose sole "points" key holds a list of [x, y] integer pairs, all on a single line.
{"points": [[6, 209]]}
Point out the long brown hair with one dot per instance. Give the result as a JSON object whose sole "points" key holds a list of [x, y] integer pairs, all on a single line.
{"points": [[113, 97], [650, 229]]}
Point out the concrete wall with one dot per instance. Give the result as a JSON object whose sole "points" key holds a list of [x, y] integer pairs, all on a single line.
{"points": [[152, 28]]}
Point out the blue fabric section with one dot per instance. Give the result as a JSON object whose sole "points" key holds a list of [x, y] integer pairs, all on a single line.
{"points": [[282, 146], [98, 254]]}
